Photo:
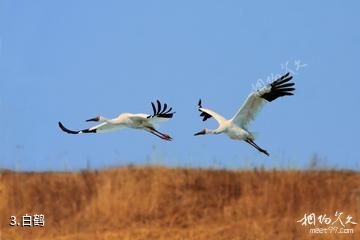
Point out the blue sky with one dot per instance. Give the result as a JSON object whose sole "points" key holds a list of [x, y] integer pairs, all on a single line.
{"points": [[72, 60]]}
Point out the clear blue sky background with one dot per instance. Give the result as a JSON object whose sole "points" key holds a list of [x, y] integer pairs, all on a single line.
{"points": [[72, 60]]}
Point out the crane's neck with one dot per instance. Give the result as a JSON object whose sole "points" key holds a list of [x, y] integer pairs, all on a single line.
{"points": [[214, 131], [209, 131]]}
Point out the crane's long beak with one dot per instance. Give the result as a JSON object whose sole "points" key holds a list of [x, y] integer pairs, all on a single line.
{"points": [[95, 119], [202, 132]]}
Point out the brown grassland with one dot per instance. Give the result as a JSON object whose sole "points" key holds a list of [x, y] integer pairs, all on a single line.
{"points": [[165, 203]]}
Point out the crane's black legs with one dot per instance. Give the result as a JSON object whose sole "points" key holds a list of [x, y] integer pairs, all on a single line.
{"points": [[252, 143]]}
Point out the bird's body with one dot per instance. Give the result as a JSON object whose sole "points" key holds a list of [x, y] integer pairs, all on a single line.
{"points": [[237, 133], [229, 128], [237, 127], [129, 120]]}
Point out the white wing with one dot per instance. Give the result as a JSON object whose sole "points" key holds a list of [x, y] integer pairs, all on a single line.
{"points": [[248, 110], [150, 118], [220, 119], [155, 120], [255, 100], [106, 127], [207, 113]]}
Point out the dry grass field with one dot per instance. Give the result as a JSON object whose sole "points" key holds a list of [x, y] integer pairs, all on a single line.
{"points": [[164, 203]]}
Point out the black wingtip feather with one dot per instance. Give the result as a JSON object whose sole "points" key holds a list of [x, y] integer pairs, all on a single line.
{"points": [[169, 110], [279, 88], [158, 106], [75, 132], [67, 130], [286, 89], [287, 85], [199, 103], [161, 112], [285, 75], [153, 107], [281, 81], [204, 115]]}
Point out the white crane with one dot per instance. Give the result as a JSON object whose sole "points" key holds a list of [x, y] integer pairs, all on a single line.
{"points": [[130, 120], [237, 127]]}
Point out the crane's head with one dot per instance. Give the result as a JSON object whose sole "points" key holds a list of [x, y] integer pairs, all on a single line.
{"points": [[202, 132]]}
